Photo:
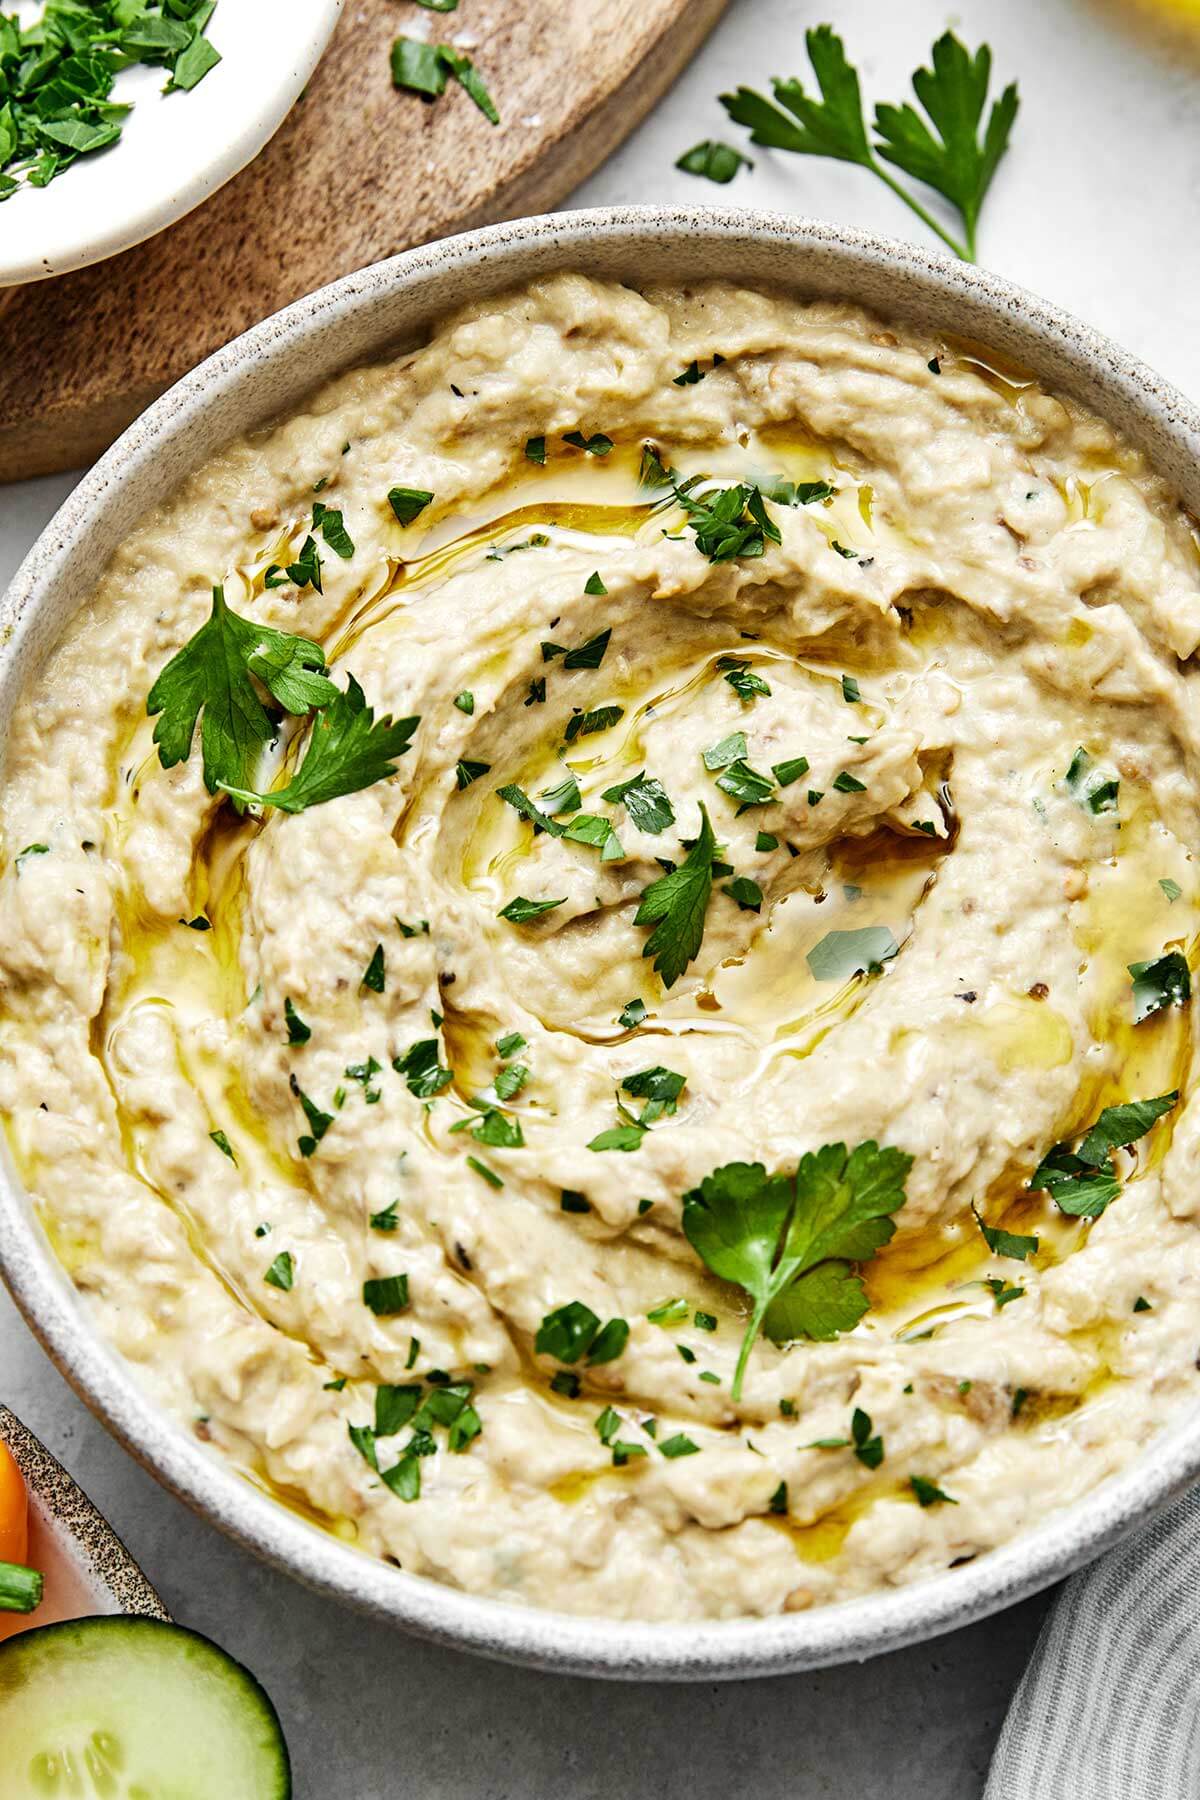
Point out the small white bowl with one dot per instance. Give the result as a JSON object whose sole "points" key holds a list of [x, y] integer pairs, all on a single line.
{"points": [[375, 313], [175, 149]]}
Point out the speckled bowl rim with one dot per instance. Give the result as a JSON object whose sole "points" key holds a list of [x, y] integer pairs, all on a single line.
{"points": [[642, 242]]}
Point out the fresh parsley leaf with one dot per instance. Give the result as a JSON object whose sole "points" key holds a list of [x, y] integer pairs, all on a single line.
{"points": [[646, 802], [742, 679], [955, 163], [423, 68], [585, 724], [953, 94], [660, 1088], [1081, 1182], [1005, 1243], [297, 1031], [868, 1449], [520, 802], [519, 910], [470, 80], [408, 503], [332, 528], [422, 1070], [465, 772], [1162, 982], [596, 445], [928, 1493], [746, 892], [729, 750], [729, 522], [591, 654], [746, 785], [573, 1331], [565, 797], [597, 831], [841, 954], [348, 749], [1094, 787], [282, 1272], [715, 161], [386, 1295], [676, 904], [679, 1445], [790, 1240], [791, 770], [212, 676]]}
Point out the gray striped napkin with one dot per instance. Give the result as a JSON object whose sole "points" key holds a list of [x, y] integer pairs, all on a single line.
{"points": [[1109, 1707]]}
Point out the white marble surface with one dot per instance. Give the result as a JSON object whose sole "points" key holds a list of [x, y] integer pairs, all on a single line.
{"points": [[1097, 206]]}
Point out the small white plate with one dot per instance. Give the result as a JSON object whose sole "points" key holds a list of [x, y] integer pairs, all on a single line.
{"points": [[175, 149]]}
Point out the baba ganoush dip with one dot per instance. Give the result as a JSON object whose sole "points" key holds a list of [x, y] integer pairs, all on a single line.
{"points": [[609, 1018]]}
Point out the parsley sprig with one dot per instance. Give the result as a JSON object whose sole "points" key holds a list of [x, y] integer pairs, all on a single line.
{"points": [[213, 679], [953, 158], [790, 1240]]}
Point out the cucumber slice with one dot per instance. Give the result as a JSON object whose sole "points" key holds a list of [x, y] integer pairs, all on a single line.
{"points": [[134, 1709]]}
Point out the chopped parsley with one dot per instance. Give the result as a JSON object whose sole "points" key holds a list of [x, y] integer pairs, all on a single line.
{"points": [[465, 702], [1081, 1181], [645, 800], [387, 1220], [1093, 787], [318, 1121], [728, 522], [282, 1272], [746, 892], [928, 1493], [408, 503], [632, 1015], [715, 161], [850, 690], [509, 1044], [845, 783], [1170, 888], [596, 445], [520, 910], [741, 678], [386, 1295], [422, 1070], [297, 1031], [787, 772], [679, 1445], [727, 751], [332, 528], [867, 1448], [375, 973], [465, 772], [586, 724], [424, 69], [593, 584], [1006, 1243], [57, 74], [486, 1174], [1162, 982], [223, 1145], [573, 1332], [790, 1241], [535, 449]]}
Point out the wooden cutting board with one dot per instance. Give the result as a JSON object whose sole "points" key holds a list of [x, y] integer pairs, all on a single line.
{"points": [[357, 171]]}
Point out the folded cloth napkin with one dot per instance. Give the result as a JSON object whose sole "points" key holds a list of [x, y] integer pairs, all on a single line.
{"points": [[1109, 1707]]}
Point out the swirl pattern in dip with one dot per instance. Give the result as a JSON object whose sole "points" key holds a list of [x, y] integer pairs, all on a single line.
{"points": [[344, 1160]]}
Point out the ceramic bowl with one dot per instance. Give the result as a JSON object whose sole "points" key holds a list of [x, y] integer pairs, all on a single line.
{"points": [[372, 314], [175, 149]]}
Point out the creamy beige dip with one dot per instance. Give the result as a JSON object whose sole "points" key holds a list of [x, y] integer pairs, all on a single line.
{"points": [[1002, 581]]}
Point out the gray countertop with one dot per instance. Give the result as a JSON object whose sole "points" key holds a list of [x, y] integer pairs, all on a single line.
{"points": [[1098, 206]]}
